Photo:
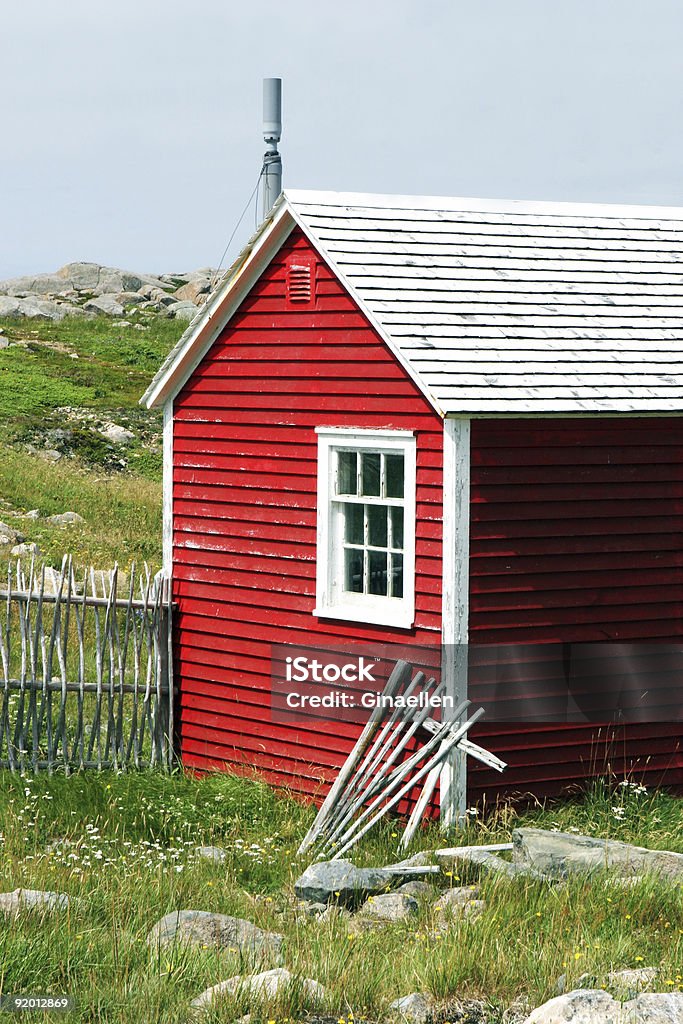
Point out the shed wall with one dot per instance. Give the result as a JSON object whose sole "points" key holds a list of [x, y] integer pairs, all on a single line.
{"points": [[244, 515], [577, 535]]}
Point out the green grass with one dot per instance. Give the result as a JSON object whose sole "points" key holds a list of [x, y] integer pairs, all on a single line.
{"points": [[130, 833], [44, 392], [122, 513], [113, 368]]}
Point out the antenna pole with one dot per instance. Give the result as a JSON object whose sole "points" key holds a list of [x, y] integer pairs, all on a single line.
{"points": [[271, 180]]}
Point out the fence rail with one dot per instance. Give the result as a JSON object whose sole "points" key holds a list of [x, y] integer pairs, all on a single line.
{"points": [[86, 668]]}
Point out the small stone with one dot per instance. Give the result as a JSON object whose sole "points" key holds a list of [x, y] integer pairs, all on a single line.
{"points": [[414, 1007], [457, 904], [8, 535], [212, 853], [49, 454], [22, 550], [104, 303], [4, 343], [632, 980], [32, 899], [217, 931], [122, 323], [459, 896], [116, 433], [390, 907], [66, 519], [267, 985], [33, 514], [182, 310], [417, 888]]}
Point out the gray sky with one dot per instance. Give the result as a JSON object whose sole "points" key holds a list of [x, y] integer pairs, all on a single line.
{"points": [[131, 131]]}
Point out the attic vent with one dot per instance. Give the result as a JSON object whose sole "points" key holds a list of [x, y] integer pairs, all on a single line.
{"points": [[301, 282]]}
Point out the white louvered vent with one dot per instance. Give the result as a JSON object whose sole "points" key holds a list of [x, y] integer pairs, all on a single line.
{"points": [[301, 282]]}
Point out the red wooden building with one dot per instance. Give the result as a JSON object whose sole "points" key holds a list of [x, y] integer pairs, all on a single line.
{"points": [[420, 420]]}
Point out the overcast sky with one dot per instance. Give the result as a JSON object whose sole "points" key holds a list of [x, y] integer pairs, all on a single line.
{"points": [[131, 132]]}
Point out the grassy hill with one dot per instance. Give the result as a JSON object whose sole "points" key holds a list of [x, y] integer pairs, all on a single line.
{"points": [[61, 385]]}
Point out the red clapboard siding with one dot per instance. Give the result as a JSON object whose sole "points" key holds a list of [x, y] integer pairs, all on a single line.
{"points": [[244, 505], [577, 535]]}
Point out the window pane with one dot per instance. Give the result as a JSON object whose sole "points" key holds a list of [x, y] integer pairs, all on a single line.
{"points": [[353, 524], [397, 527], [353, 571], [377, 525], [348, 475], [393, 473], [370, 473], [397, 576], [378, 572]]}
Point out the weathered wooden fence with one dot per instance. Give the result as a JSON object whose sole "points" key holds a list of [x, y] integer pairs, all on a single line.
{"points": [[86, 669]]}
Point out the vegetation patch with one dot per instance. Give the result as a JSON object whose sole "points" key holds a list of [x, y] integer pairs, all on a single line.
{"points": [[122, 847]]}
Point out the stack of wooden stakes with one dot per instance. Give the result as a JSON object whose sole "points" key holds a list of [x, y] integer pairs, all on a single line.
{"points": [[380, 771]]}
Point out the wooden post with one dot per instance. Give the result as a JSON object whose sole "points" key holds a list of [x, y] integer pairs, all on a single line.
{"points": [[455, 604]]}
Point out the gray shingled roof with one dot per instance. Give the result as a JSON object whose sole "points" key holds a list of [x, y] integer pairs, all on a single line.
{"points": [[501, 307], [517, 307]]}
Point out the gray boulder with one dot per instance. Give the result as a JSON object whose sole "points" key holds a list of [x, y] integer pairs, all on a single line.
{"points": [[105, 303], [117, 434], [417, 888], [267, 985], [182, 310], [340, 881], [192, 291], [40, 284], [32, 308], [564, 853], [66, 519], [413, 1008], [8, 535], [390, 907], [32, 899], [201, 928], [632, 980], [24, 550], [655, 1008], [588, 1006], [458, 897], [84, 277]]}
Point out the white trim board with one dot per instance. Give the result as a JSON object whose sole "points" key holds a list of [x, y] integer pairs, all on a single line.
{"points": [[167, 510], [455, 601]]}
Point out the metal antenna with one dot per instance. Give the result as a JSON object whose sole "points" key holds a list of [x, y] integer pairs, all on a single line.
{"points": [[271, 179]]}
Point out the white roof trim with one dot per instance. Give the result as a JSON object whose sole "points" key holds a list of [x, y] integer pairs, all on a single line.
{"points": [[367, 313], [188, 352], [380, 201], [186, 355]]}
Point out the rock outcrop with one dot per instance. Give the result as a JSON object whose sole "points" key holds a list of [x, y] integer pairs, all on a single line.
{"points": [[89, 289]]}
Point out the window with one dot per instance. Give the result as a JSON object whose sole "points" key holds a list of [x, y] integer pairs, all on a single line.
{"points": [[366, 526]]}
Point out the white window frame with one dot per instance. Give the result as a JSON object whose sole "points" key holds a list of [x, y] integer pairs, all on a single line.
{"points": [[331, 601]]}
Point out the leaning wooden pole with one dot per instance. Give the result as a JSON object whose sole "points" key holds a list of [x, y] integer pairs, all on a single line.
{"points": [[400, 674]]}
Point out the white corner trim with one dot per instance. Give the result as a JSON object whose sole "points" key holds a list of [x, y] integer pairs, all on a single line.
{"points": [[455, 600], [167, 476]]}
